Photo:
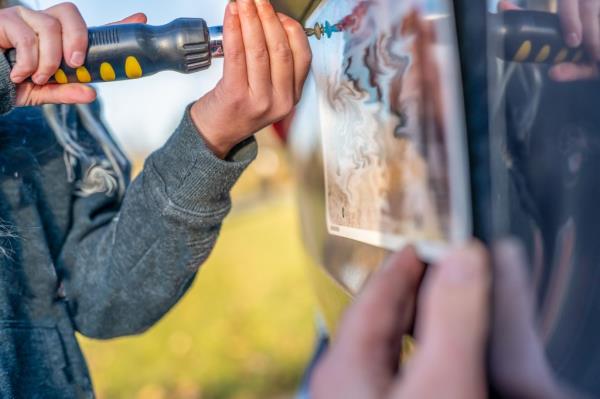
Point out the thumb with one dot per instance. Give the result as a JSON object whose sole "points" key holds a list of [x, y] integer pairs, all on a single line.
{"points": [[29, 94], [452, 328], [137, 18]]}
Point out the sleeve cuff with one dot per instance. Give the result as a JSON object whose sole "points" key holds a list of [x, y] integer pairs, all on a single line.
{"points": [[8, 90], [191, 178]]}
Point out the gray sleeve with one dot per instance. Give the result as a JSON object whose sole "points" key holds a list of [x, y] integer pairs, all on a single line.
{"points": [[125, 265], [8, 91]]}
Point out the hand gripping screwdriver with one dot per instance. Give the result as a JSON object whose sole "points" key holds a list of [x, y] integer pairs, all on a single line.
{"points": [[131, 51]]}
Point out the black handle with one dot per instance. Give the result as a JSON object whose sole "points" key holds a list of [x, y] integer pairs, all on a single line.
{"points": [[533, 37], [131, 51]]}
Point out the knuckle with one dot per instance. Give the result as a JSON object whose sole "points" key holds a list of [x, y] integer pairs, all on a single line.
{"points": [[262, 106], [306, 58], [286, 105], [231, 94], [234, 55], [49, 66], [27, 67], [237, 99], [247, 10], [283, 52], [18, 10], [28, 40], [259, 53], [50, 24], [79, 37], [291, 24]]}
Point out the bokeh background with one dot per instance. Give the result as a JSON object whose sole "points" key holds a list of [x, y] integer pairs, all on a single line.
{"points": [[245, 329]]}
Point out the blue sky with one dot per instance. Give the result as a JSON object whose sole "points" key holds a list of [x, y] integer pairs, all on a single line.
{"points": [[143, 113]]}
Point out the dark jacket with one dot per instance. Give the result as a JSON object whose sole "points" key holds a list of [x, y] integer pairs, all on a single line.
{"points": [[93, 262]]}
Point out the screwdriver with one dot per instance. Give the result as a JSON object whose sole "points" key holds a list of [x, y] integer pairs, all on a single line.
{"points": [[187, 45], [131, 51]]}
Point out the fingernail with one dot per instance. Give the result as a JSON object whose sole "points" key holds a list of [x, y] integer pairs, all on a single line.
{"points": [[16, 78], [573, 40], [39, 79], [509, 251], [464, 264], [233, 8], [409, 251], [77, 58]]}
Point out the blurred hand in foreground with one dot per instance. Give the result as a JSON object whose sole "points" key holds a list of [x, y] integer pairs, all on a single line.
{"points": [[452, 329]]}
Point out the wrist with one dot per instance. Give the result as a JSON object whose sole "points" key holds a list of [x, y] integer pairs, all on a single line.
{"points": [[213, 136]]}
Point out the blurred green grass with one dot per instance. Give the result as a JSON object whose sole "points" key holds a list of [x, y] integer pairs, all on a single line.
{"points": [[245, 329]]}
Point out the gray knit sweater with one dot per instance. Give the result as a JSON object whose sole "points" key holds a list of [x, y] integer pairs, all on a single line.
{"points": [[94, 261]]}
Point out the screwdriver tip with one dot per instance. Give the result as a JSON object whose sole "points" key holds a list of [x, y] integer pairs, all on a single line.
{"points": [[322, 30]]}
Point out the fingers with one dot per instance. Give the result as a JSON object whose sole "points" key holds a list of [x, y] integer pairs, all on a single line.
{"points": [[301, 52], [455, 300], [452, 328], [257, 53], [570, 22], [235, 73], [17, 34], [363, 360], [280, 53], [137, 18], [49, 32], [42, 38], [383, 313], [568, 72], [74, 33], [29, 94]]}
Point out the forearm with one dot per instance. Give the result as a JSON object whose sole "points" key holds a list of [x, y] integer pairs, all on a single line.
{"points": [[126, 272]]}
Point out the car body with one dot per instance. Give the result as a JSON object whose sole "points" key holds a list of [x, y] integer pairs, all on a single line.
{"points": [[412, 102]]}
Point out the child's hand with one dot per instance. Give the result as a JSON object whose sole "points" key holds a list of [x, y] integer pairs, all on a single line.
{"points": [[42, 39], [267, 58]]}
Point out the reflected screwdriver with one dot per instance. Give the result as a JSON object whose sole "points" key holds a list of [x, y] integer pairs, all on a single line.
{"points": [[527, 36]]}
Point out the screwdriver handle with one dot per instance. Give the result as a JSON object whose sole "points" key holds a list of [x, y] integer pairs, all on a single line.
{"points": [[131, 51], [533, 37]]}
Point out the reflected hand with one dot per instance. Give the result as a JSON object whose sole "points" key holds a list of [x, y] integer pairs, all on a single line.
{"points": [[451, 328], [42, 39], [267, 58], [580, 21]]}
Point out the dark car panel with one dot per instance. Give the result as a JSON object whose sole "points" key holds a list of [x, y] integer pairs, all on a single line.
{"points": [[533, 148]]}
